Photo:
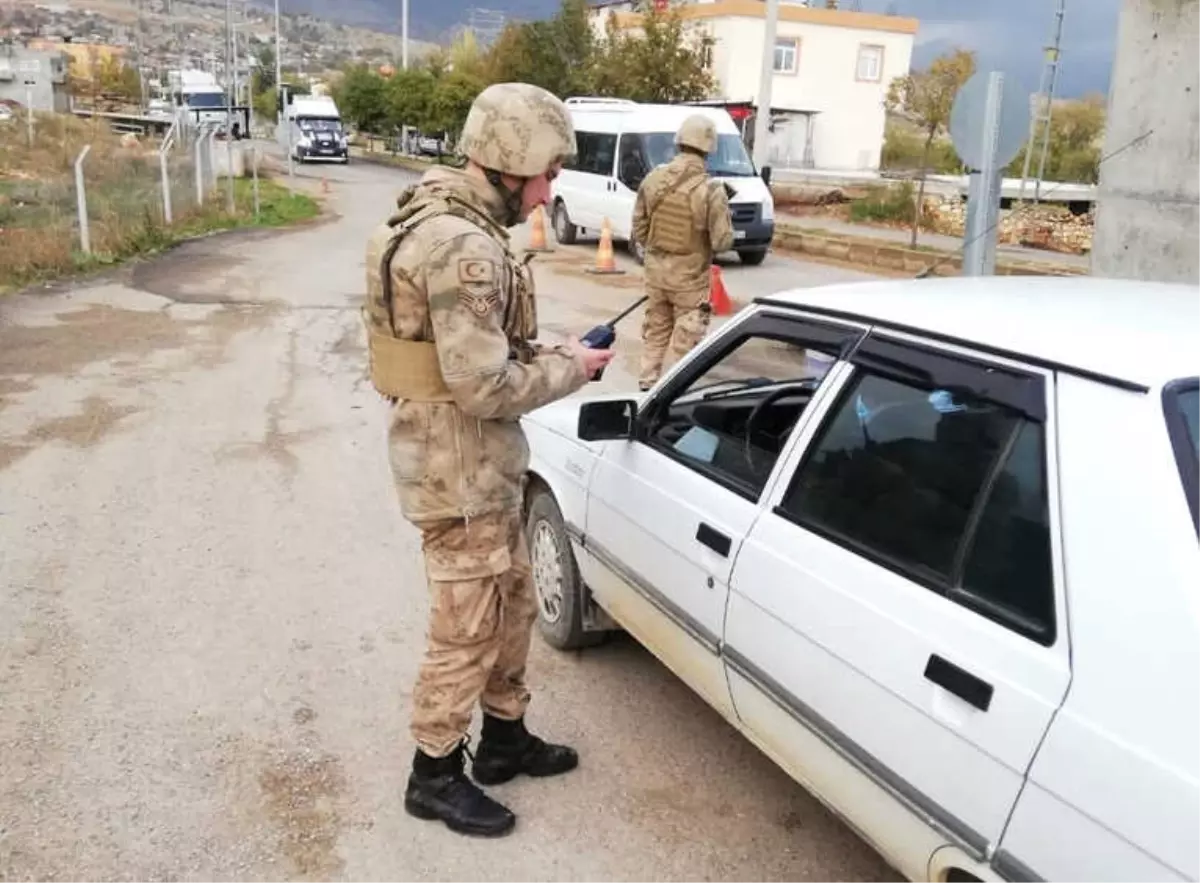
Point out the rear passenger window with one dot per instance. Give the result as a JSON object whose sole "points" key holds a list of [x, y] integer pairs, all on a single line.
{"points": [[938, 484]]}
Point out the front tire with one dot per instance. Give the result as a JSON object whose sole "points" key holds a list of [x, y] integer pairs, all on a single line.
{"points": [[753, 257], [556, 580], [564, 231]]}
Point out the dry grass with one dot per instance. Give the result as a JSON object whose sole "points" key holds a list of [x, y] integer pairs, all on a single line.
{"points": [[39, 230]]}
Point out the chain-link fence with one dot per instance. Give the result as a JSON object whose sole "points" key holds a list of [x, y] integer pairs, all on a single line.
{"points": [[76, 193]]}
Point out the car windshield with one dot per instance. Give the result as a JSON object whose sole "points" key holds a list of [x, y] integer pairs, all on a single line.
{"points": [[319, 124], [729, 160], [206, 99]]}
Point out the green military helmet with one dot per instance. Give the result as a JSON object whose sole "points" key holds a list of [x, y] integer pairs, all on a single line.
{"points": [[698, 132], [518, 129]]}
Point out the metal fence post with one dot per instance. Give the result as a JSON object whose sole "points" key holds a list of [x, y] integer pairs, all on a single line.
{"points": [[85, 240], [211, 155], [254, 171], [199, 171], [163, 152]]}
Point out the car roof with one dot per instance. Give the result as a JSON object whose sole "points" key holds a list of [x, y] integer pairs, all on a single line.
{"points": [[1142, 333], [602, 115]]}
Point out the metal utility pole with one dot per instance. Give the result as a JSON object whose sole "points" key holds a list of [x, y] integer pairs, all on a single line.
{"points": [[141, 61], [1040, 121], [762, 116], [404, 34], [237, 86], [229, 103], [279, 115]]}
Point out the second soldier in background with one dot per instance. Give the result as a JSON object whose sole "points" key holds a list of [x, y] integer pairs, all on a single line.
{"points": [[683, 218]]}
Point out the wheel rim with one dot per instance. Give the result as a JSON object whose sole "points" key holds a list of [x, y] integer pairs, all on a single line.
{"points": [[547, 572]]}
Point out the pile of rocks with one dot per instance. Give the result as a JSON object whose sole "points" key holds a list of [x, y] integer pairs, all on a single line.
{"points": [[1049, 227], [802, 195]]}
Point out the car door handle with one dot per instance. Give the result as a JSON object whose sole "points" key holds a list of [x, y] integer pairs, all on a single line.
{"points": [[714, 539], [959, 681]]}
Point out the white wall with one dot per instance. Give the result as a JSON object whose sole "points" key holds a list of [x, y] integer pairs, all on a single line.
{"points": [[849, 123], [850, 116]]}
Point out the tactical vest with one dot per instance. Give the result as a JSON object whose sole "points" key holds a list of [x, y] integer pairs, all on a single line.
{"points": [[401, 368], [673, 227]]}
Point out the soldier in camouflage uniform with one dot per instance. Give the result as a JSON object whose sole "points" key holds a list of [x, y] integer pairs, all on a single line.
{"points": [[450, 316], [682, 217]]}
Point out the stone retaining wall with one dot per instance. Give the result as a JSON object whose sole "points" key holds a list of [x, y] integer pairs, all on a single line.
{"points": [[867, 252]]}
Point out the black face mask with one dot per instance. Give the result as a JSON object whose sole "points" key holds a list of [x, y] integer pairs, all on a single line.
{"points": [[512, 198]]}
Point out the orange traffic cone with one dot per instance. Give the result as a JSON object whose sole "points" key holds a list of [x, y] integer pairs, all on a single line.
{"points": [[537, 231], [606, 264], [718, 297]]}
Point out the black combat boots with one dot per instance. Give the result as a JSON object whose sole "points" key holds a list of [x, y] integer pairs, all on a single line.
{"points": [[439, 789], [506, 748]]}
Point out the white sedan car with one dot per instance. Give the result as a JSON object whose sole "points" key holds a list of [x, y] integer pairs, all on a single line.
{"points": [[932, 546]]}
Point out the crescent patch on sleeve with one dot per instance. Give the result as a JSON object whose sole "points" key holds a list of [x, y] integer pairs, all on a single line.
{"points": [[474, 272], [480, 291]]}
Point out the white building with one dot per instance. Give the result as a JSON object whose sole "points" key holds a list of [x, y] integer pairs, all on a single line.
{"points": [[832, 70]]}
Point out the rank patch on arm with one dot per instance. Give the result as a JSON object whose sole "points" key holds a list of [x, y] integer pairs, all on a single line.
{"points": [[480, 290]]}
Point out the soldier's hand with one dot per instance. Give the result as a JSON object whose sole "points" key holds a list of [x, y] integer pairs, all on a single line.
{"points": [[593, 360]]}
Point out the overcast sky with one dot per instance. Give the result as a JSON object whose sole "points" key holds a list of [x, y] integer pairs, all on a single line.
{"points": [[1010, 34]]}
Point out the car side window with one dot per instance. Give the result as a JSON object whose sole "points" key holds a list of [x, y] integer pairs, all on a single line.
{"points": [[941, 484], [731, 419], [595, 153], [1181, 403], [631, 162]]}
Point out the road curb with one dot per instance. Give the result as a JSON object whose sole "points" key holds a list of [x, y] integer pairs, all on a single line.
{"points": [[869, 252]]}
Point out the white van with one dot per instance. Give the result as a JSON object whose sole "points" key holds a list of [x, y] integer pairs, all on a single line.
{"points": [[620, 141], [312, 129]]}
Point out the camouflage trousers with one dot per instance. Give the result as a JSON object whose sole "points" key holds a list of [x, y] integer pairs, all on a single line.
{"points": [[674, 322], [481, 612]]}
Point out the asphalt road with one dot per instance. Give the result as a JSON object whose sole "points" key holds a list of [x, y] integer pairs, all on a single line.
{"points": [[212, 612]]}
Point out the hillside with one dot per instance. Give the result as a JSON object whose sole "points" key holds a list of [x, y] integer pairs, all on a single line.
{"points": [[195, 30], [426, 21]]}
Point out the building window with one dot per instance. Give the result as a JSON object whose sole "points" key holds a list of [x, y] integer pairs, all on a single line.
{"points": [[870, 63], [787, 51]]}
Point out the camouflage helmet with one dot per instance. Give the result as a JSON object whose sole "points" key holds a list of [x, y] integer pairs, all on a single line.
{"points": [[698, 132], [517, 129]]}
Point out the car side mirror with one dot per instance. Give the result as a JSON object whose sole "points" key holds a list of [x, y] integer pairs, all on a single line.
{"points": [[766, 175], [607, 420]]}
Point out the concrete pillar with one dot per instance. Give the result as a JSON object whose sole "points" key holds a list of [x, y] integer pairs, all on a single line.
{"points": [[1147, 224]]}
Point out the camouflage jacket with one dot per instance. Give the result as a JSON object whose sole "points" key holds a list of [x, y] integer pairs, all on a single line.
{"points": [[711, 226], [456, 283]]}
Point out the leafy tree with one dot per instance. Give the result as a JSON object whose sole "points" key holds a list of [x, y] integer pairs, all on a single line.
{"points": [[465, 57], [562, 52], [663, 63], [926, 97], [450, 102], [265, 103], [559, 54], [903, 149], [1073, 153], [361, 96], [410, 98], [263, 77], [107, 78]]}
